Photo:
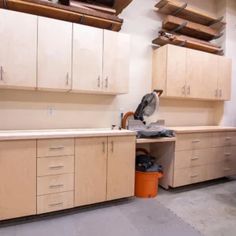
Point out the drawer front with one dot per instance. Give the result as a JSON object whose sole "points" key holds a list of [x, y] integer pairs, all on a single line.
{"points": [[189, 175], [231, 138], [193, 141], [55, 202], [215, 171], [55, 184], [55, 147], [220, 139], [191, 158], [55, 165], [230, 161]]}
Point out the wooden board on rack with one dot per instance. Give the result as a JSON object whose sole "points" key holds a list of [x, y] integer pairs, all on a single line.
{"points": [[72, 14], [185, 11], [190, 28], [120, 5], [188, 43]]}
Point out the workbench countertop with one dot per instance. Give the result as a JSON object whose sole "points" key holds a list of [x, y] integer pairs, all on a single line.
{"points": [[61, 133], [198, 129]]}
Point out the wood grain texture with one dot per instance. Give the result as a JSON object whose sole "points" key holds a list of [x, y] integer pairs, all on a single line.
{"points": [[55, 165], [17, 178], [55, 202], [87, 48], [55, 147], [189, 12], [121, 167], [57, 11], [191, 28], [54, 55], [90, 170], [18, 50]]}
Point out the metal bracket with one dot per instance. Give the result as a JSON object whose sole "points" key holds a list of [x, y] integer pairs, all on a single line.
{"points": [[81, 19], [178, 28], [175, 13], [218, 36], [216, 21], [5, 4], [111, 27], [183, 43]]}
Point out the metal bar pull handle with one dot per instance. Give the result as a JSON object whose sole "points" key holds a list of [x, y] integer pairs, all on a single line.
{"points": [[56, 186], [55, 204], [216, 93], [67, 78], [99, 81], [196, 141], [220, 93], [189, 90], [184, 90], [103, 147], [56, 148], [112, 146], [194, 158], [56, 167], [106, 82], [194, 176], [1, 72]]}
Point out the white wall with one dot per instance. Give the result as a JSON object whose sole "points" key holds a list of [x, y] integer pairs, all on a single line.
{"points": [[33, 110]]}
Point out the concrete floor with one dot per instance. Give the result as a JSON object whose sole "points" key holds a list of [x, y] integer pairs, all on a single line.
{"points": [[203, 209], [209, 207]]}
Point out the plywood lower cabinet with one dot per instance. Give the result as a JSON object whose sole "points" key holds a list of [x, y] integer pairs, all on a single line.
{"points": [[197, 157], [104, 169], [17, 178]]}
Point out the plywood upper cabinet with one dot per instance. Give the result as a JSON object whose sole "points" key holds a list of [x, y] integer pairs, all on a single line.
{"points": [[90, 170], [54, 54], [202, 74], [116, 57], [120, 167], [87, 58], [224, 78], [187, 73], [18, 50], [17, 178]]}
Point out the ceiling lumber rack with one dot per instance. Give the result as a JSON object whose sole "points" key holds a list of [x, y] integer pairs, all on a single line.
{"points": [[67, 13]]}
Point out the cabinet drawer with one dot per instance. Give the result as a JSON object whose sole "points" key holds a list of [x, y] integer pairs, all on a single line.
{"points": [[191, 158], [220, 139], [215, 170], [193, 141], [189, 175], [55, 147], [55, 184], [55, 165], [231, 138], [55, 202]]}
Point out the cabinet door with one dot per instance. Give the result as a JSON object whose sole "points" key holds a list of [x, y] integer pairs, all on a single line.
{"points": [[17, 179], [116, 62], [176, 71], [90, 170], [18, 50], [202, 74], [54, 54], [87, 58], [121, 167], [224, 78]]}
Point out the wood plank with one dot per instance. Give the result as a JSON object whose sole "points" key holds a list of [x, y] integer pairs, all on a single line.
{"points": [[191, 29], [161, 40], [108, 10], [155, 140], [194, 14], [82, 16], [120, 5]]}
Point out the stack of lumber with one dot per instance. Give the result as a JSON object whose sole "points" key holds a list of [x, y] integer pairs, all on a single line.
{"points": [[78, 11], [188, 26]]}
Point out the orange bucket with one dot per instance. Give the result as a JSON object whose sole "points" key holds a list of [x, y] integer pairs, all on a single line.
{"points": [[146, 184]]}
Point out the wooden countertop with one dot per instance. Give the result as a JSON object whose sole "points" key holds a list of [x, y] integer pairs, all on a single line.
{"points": [[197, 129], [61, 133]]}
